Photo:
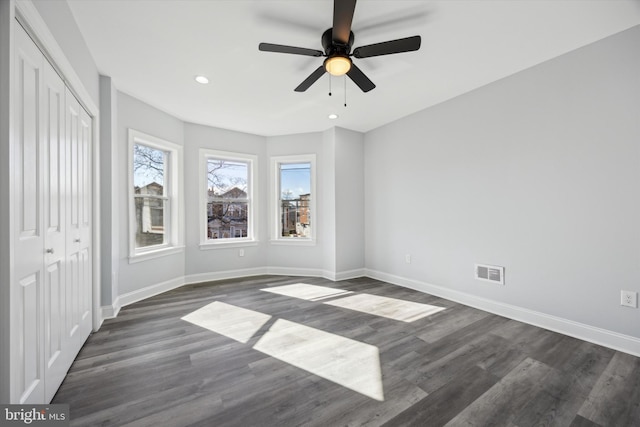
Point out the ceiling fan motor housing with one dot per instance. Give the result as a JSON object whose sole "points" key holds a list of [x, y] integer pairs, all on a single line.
{"points": [[332, 48]]}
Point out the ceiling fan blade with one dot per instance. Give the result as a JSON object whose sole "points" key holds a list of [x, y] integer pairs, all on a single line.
{"points": [[342, 17], [360, 79], [269, 47], [408, 44], [311, 79]]}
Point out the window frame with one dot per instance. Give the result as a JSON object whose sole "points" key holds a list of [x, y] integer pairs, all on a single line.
{"points": [[252, 206], [275, 210], [173, 241]]}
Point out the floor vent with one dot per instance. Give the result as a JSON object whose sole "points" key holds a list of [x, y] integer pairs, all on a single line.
{"points": [[490, 273]]}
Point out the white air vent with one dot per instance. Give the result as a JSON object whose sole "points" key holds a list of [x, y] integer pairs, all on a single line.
{"points": [[490, 273]]}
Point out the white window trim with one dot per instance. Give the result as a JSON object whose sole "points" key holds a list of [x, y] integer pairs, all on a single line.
{"points": [[274, 208], [252, 226], [175, 237]]}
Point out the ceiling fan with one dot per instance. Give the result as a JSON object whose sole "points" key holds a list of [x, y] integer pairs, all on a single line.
{"points": [[337, 42]]}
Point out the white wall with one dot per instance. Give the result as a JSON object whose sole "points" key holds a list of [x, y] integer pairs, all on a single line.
{"points": [[135, 114], [342, 176], [210, 262], [538, 172], [327, 173], [110, 192], [349, 204], [295, 256]]}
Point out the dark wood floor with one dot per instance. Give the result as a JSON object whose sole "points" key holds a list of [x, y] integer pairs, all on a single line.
{"points": [[458, 367]]}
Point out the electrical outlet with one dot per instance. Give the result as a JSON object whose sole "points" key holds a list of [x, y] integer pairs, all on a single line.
{"points": [[241, 252], [407, 258], [629, 299]]}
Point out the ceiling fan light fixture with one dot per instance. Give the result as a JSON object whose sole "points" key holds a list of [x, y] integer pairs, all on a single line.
{"points": [[337, 65]]}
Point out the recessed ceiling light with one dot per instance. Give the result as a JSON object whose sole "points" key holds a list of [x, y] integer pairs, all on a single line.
{"points": [[333, 116], [202, 79]]}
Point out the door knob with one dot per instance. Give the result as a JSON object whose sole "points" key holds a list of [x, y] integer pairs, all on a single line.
{"points": [[49, 250], [76, 240]]}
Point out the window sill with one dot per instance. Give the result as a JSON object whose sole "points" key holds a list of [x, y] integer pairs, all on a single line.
{"points": [[157, 253], [224, 245], [296, 241]]}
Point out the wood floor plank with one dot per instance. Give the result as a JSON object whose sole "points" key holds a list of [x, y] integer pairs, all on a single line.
{"points": [[450, 320], [460, 337], [502, 403], [615, 398], [459, 366], [431, 376], [579, 421], [561, 396], [439, 407]]}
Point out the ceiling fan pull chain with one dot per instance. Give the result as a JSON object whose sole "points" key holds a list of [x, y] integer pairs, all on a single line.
{"points": [[329, 84], [345, 90]]}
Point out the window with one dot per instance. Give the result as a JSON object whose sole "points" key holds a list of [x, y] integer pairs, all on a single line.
{"points": [[293, 181], [154, 183], [228, 210]]}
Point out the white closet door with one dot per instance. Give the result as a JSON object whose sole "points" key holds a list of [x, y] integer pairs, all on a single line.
{"points": [[54, 230], [52, 291], [27, 293], [78, 283]]}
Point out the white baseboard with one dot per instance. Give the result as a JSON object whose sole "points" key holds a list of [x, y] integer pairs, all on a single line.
{"points": [[221, 275], [614, 340], [111, 311], [344, 275], [315, 272], [149, 291], [291, 271]]}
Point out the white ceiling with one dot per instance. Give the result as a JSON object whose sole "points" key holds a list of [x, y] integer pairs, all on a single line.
{"points": [[153, 49]]}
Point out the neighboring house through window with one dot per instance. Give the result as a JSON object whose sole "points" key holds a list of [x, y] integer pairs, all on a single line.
{"points": [[293, 180], [228, 210]]}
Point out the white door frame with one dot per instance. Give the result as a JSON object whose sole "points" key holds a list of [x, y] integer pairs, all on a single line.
{"points": [[28, 15]]}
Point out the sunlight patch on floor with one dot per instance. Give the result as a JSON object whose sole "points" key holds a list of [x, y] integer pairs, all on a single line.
{"points": [[349, 363], [307, 292], [233, 322], [392, 308]]}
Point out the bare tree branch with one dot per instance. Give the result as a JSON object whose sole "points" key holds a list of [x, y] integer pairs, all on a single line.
{"points": [[148, 162], [221, 182]]}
